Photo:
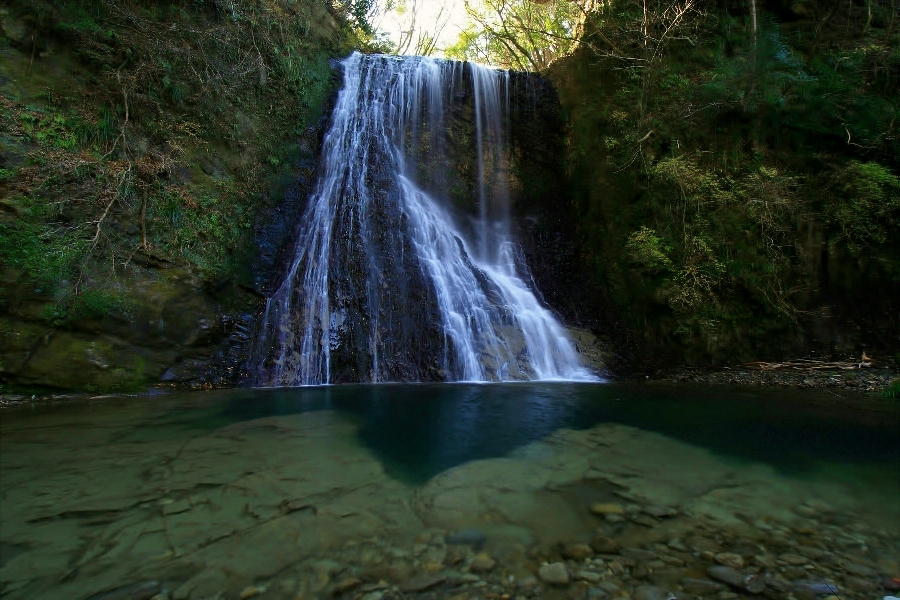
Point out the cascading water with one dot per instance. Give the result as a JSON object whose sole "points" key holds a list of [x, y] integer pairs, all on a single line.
{"points": [[384, 283]]}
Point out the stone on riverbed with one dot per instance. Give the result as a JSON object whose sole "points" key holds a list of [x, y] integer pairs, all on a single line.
{"points": [[467, 537], [607, 508], [577, 551], [555, 573], [482, 563], [604, 545], [730, 559], [727, 575], [701, 586], [420, 583], [650, 592]]}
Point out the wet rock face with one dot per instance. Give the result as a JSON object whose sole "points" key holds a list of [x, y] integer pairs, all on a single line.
{"points": [[407, 263], [174, 331]]}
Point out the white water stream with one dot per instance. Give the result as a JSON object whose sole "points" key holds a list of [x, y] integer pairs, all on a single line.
{"points": [[371, 230]]}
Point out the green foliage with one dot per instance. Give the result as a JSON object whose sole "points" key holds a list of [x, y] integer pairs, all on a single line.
{"points": [[45, 254], [892, 391], [52, 129], [695, 183], [647, 249], [203, 229], [520, 34], [866, 204]]}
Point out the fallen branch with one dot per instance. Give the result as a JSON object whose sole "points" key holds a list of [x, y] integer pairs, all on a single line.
{"points": [[808, 364]]}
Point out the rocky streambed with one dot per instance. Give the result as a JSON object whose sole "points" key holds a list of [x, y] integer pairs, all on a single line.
{"points": [[136, 502]]}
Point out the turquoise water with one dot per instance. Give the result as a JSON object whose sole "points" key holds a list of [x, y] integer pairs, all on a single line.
{"points": [[109, 492]]}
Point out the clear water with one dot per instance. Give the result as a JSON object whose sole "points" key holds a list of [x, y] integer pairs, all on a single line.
{"points": [[217, 491]]}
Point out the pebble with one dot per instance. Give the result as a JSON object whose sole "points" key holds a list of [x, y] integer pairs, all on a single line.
{"points": [[607, 508], [793, 559], [251, 592], [555, 573], [726, 575], [639, 555], [589, 576], [577, 551], [482, 563], [604, 545], [469, 537], [701, 586], [858, 569], [649, 592], [817, 588], [420, 583], [643, 520], [729, 559]]}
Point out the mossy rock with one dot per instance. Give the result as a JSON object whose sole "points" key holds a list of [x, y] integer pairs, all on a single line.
{"points": [[74, 361]]}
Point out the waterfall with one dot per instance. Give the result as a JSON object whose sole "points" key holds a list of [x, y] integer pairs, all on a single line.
{"points": [[389, 280]]}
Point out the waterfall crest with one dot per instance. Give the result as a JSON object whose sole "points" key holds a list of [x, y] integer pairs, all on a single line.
{"points": [[387, 281]]}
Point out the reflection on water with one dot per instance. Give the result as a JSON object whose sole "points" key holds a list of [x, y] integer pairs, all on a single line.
{"points": [[421, 430], [300, 491]]}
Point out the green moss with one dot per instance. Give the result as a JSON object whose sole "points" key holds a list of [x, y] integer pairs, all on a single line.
{"points": [[45, 255]]}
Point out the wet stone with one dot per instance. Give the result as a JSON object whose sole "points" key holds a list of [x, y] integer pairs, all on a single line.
{"points": [[726, 575], [815, 588], [701, 586], [859, 570], [729, 559], [649, 592], [604, 545], [555, 573], [639, 555], [423, 582], [589, 576], [793, 559], [607, 508], [467, 537], [251, 591], [577, 551], [482, 563], [644, 520]]}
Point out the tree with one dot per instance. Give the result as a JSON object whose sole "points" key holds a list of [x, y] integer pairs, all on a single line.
{"points": [[527, 35]]}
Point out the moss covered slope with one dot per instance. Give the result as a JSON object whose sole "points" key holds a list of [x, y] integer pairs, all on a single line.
{"points": [[142, 146]]}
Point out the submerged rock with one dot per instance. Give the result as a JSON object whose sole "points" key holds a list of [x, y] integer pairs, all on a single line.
{"points": [[650, 592], [577, 551], [701, 586], [423, 582], [727, 575], [604, 545], [555, 573], [468, 537], [607, 508], [482, 563], [730, 559]]}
